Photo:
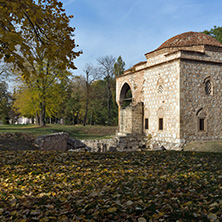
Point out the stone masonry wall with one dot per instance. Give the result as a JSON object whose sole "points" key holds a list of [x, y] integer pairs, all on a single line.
{"points": [[125, 119], [131, 119], [55, 141], [195, 100], [162, 103], [166, 102], [137, 119], [135, 81]]}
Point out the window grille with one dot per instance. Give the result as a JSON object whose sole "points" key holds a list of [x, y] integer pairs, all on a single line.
{"points": [[160, 89], [208, 87]]}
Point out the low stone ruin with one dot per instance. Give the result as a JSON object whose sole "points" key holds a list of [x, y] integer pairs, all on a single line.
{"points": [[92, 145], [61, 141], [55, 141]]}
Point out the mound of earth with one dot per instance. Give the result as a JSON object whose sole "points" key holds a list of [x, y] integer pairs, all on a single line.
{"points": [[17, 141]]}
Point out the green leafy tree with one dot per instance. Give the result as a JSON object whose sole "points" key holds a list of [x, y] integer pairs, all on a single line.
{"points": [[5, 105], [91, 74], [106, 65], [74, 104], [119, 67], [98, 106], [215, 32], [41, 96]]}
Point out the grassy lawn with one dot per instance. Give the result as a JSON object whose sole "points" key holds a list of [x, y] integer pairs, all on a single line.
{"points": [[135, 186], [79, 132]]}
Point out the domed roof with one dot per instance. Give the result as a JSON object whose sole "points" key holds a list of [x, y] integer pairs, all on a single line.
{"points": [[189, 39]]}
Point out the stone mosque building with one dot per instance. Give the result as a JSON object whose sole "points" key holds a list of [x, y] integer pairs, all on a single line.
{"points": [[175, 96]]}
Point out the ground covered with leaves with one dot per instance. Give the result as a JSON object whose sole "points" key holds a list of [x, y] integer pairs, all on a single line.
{"points": [[135, 186], [17, 141]]}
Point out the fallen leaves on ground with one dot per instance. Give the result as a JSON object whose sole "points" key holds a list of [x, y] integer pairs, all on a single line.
{"points": [[134, 186]]}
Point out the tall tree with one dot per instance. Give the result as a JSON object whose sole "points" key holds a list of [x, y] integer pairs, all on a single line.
{"points": [[36, 38], [34, 27], [91, 74], [98, 106], [119, 67], [106, 65], [41, 95], [215, 32], [74, 105]]}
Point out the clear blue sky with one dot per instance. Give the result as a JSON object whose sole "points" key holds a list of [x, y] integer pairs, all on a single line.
{"points": [[131, 28]]}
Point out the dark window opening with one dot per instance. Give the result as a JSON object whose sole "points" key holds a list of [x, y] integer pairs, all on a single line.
{"points": [[125, 96], [201, 124], [146, 123], [160, 123]]}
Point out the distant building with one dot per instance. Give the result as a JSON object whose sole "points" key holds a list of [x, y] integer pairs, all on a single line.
{"points": [[23, 120], [176, 94]]}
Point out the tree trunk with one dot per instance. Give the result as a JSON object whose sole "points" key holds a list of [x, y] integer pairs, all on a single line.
{"points": [[109, 100], [37, 119], [86, 111], [87, 102], [73, 119], [77, 118], [91, 118], [42, 113]]}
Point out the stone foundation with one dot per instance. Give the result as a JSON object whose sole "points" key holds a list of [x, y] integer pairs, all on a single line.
{"points": [[121, 142], [161, 145], [131, 143]]}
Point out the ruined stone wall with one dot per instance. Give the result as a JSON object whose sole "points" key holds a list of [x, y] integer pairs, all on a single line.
{"points": [[195, 104], [55, 141]]}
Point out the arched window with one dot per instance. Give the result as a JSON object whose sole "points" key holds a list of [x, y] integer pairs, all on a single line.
{"points": [[125, 96], [208, 87]]}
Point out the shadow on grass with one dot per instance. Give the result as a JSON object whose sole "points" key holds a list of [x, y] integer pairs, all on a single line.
{"points": [[78, 132]]}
